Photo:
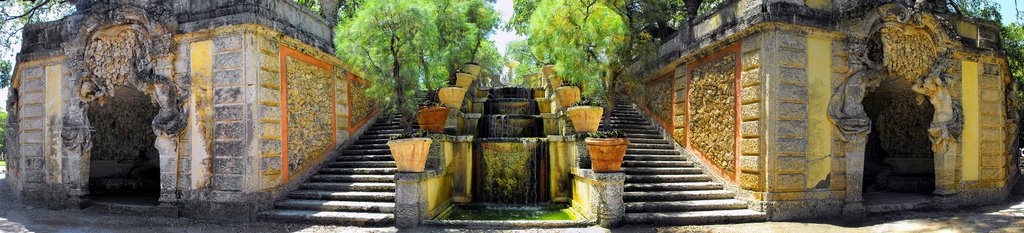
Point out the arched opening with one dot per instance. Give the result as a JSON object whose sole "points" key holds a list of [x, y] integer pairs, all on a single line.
{"points": [[898, 156], [124, 163]]}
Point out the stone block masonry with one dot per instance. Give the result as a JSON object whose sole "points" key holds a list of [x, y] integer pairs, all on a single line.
{"points": [[219, 81]]}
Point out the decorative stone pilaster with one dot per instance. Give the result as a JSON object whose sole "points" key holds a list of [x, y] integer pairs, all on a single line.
{"points": [[606, 205], [410, 201], [854, 203]]}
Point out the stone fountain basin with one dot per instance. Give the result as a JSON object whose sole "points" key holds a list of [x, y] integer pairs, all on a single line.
{"points": [[517, 106], [492, 126], [511, 92]]}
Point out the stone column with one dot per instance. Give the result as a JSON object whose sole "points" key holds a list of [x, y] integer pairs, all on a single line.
{"points": [[854, 206], [410, 201]]}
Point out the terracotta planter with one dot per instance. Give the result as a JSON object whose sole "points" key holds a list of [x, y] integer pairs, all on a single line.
{"points": [[606, 153], [432, 118], [585, 119], [410, 154], [567, 96], [452, 96], [472, 69], [544, 104], [464, 80]]}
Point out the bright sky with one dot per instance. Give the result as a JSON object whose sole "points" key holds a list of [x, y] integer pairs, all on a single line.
{"points": [[502, 36]]}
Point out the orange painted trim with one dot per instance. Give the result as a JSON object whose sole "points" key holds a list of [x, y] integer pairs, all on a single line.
{"points": [[668, 125], [733, 50], [354, 126], [286, 53]]}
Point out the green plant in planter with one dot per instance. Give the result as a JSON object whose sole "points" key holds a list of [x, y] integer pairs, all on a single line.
{"points": [[416, 133], [606, 134]]}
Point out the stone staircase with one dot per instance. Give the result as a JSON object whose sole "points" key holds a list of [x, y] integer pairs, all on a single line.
{"points": [[662, 187], [357, 188]]}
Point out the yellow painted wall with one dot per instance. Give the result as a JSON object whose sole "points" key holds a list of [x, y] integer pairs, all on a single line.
{"points": [[967, 30], [200, 119], [819, 129], [818, 4], [53, 106], [972, 126]]}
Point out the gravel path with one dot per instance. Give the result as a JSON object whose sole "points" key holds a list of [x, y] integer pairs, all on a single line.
{"points": [[1006, 217]]}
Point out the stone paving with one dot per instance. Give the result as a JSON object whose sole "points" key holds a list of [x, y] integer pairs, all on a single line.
{"points": [[1004, 217]]}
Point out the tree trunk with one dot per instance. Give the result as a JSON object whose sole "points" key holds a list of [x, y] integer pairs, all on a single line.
{"points": [[396, 67]]}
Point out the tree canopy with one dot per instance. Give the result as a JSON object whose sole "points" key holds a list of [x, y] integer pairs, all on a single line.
{"points": [[405, 46]]}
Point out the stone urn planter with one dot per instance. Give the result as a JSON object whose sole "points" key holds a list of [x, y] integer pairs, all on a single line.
{"points": [[567, 96], [606, 153], [585, 119], [410, 153], [472, 68], [432, 118], [548, 70], [556, 81], [452, 97], [464, 80]]}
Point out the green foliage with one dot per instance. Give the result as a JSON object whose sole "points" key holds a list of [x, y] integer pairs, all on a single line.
{"points": [[16, 14], [981, 9], [606, 134], [519, 50], [406, 46], [3, 134], [580, 37], [6, 73], [411, 134], [383, 40]]}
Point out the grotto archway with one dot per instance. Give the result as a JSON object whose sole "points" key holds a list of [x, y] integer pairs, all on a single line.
{"points": [[118, 47], [902, 66]]}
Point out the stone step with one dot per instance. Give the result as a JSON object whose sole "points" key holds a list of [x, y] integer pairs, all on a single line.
{"points": [[625, 126], [383, 131], [679, 206], [378, 136], [696, 217], [376, 141], [632, 136], [629, 122], [358, 164], [340, 186], [364, 158], [350, 152], [649, 141], [638, 131], [654, 157], [661, 170], [663, 146], [362, 171], [626, 114], [628, 119], [342, 206], [651, 151], [342, 196], [369, 147], [330, 217], [666, 178], [635, 163], [352, 178], [685, 186], [676, 195]]}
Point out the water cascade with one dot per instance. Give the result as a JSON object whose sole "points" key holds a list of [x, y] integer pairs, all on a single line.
{"points": [[511, 152]]}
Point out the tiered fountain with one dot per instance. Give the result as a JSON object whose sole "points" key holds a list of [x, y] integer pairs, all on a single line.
{"points": [[511, 153]]}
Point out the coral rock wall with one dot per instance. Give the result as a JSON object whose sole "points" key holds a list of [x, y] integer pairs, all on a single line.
{"points": [[309, 96], [713, 111], [659, 98]]}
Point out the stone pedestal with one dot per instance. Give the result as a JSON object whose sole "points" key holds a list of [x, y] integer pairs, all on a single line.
{"points": [[470, 122], [410, 201], [454, 122], [551, 126], [605, 194]]}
